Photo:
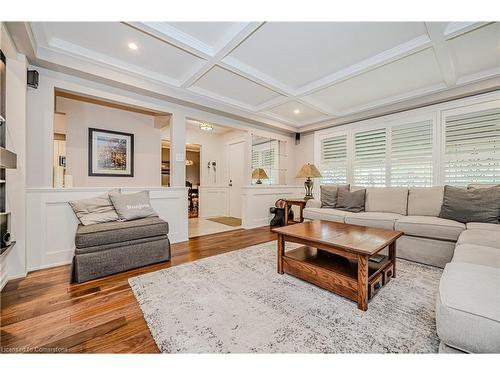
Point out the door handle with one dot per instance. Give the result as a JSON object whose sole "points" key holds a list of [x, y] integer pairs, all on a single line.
{"points": [[230, 183]]}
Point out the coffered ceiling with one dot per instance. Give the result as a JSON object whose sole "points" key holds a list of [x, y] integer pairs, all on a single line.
{"points": [[283, 74]]}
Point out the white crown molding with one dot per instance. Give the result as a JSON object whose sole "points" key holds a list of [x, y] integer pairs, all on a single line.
{"points": [[58, 54], [454, 29], [424, 99], [63, 47]]}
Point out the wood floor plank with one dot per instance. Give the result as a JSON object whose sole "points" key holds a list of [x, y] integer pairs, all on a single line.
{"points": [[99, 316]]}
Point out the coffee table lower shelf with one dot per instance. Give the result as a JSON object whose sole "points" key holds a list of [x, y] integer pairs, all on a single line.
{"points": [[335, 273]]}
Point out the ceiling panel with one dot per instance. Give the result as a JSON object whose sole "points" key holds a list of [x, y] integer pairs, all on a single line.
{"points": [[415, 72], [477, 50], [210, 33], [296, 53], [296, 112], [224, 83], [112, 38]]}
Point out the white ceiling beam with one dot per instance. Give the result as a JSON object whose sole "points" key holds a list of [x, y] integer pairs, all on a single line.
{"points": [[230, 44], [442, 52], [175, 37], [454, 29], [417, 44]]}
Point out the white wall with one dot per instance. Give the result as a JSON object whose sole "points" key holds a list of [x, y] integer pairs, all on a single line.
{"points": [[14, 264], [81, 116]]}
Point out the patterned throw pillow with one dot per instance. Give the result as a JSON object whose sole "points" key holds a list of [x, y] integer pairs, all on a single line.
{"points": [[132, 206]]}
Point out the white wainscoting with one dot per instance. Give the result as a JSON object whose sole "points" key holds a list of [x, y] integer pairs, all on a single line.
{"points": [[214, 201], [258, 199], [51, 223]]}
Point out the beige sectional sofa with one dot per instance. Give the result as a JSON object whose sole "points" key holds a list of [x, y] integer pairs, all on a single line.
{"points": [[468, 302]]}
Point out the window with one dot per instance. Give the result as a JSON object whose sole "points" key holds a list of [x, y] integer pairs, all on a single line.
{"points": [[333, 164], [411, 154], [369, 157], [265, 156], [472, 148]]}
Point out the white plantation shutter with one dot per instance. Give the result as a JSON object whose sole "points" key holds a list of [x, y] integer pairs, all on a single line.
{"points": [[411, 154], [333, 165], [266, 159], [472, 148], [370, 157]]}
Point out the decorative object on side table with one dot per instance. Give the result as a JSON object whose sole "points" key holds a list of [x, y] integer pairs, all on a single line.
{"points": [[111, 153], [308, 171], [259, 174]]}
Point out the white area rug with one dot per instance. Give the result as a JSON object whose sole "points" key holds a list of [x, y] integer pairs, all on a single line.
{"points": [[237, 303]]}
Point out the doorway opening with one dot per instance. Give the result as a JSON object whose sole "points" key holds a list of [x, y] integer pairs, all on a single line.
{"points": [[193, 157]]}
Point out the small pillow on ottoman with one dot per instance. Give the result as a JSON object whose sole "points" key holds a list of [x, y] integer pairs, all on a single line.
{"points": [[474, 205], [352, 201], [95, 210], [132, 206], [329, 195]]}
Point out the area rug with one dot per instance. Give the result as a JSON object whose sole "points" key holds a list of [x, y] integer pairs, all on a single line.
{"points": [[227, 220], [237, 303]]}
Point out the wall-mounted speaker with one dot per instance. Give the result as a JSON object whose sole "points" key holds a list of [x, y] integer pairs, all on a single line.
{"points": [[297, 138], [32, 79]]}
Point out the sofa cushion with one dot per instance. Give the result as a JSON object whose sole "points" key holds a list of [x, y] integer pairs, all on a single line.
{"points": [[425, 201], [430, 227], [383, 220], [478, 205], [330, 214], [480, 237], [119, 231], [387, 199], [483, 226], [477, 254], [313, 203], [468, 307], [329, 195], [352, 201]]}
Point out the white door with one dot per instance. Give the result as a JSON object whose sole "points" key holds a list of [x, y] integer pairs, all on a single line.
{"points": [[236, 162]]}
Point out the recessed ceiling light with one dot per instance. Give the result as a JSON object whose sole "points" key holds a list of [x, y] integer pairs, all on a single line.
{"points": [[296, 111], [132, 46]]}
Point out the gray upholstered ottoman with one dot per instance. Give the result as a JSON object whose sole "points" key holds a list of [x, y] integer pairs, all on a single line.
{"points": [[108, 248]]}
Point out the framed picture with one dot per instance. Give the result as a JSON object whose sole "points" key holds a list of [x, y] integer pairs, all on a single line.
{"points": [[111, 153]]}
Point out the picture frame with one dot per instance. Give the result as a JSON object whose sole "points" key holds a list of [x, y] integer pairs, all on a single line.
{"points": [[111, 153]]}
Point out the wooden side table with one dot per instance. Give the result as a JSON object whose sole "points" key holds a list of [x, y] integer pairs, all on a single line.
{"points": [[297, 202]]}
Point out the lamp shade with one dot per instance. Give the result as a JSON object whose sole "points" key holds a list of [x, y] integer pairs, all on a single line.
{"points": [[259, 173], [308, 170]]}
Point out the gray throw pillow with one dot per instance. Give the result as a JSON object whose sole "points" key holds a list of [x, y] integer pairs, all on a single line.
{"points": [[132, 206], [95, 210], [329, 195], [474, 205], [352, 201]]}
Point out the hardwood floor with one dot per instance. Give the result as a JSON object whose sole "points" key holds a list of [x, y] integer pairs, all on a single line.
{"points": [[45, 313]]}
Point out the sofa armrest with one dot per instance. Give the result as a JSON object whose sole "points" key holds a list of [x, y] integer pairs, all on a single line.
{"points": [[313, 203]]}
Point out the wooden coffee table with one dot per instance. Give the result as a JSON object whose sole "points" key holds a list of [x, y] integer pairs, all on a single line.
{"points": [[336, 257]]}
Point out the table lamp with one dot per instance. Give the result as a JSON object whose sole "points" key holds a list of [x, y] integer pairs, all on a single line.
{"points": [[259, 173], [308, 171]]}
